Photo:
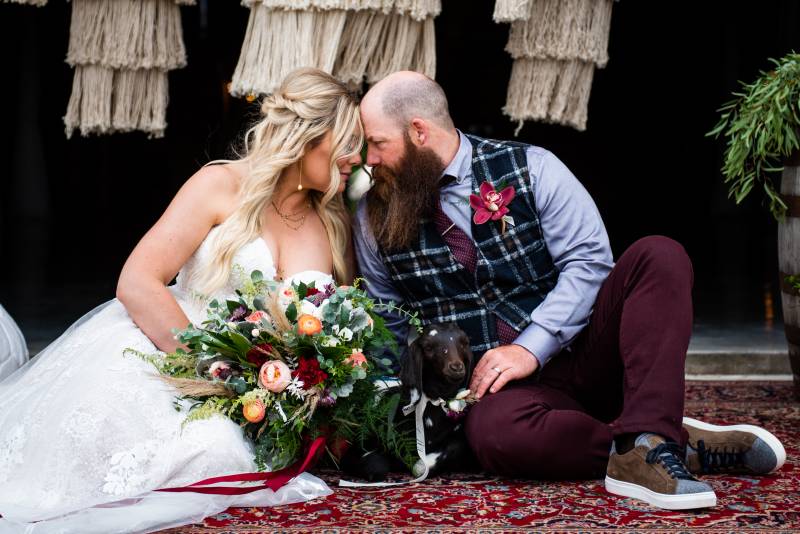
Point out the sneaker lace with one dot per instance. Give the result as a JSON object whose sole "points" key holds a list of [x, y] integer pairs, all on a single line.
{"points": [[668, 454], [718, 459]]}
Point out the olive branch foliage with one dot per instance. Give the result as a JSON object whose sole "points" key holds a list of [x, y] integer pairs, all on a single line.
{"points": [[761, 127]]}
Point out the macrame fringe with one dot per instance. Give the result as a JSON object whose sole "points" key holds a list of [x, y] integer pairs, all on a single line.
{"points": [[416, 9], [358, 45], [511, 10], [106, 100], [549, 90], [404, 44], [121, 51], [556, 51], [277, 42], [353, 45], [131, 34], [563, 29], [37, 3]]}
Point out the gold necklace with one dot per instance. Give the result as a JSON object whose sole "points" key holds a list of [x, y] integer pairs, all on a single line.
{"points": [[292, 220]]}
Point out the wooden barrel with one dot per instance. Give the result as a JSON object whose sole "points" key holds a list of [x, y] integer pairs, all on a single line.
{"points": [[789, 261]]}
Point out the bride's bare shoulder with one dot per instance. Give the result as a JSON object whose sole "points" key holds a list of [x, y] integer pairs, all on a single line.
{"points": [[218, 184]]}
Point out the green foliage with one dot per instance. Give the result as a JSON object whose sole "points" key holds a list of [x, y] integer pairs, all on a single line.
{"points": [[794, 281], [178, 364], [397, 438], [761, 126], [211, 407]]}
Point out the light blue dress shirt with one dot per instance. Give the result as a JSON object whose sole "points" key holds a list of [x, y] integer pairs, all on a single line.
{"points": [[573, 231]]}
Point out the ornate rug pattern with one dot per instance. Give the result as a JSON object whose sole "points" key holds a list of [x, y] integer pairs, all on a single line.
{"points": [[481, 504]]}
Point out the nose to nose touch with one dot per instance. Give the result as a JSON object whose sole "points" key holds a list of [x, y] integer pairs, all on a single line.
{"points": [[456, 367]]}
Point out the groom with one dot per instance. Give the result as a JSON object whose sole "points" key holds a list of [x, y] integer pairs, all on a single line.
{"points": [[578, 356]]}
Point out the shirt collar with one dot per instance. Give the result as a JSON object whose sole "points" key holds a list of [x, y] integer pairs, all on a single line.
{"points": [[462, 162]]}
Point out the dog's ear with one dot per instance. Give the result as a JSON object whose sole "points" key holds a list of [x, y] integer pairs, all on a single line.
{"points": [[466, 351], [411, 367], [468, 361]]}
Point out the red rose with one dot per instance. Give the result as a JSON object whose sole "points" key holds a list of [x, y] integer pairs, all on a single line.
{"points": [[309, 372], [259, 354], [311, 291]]}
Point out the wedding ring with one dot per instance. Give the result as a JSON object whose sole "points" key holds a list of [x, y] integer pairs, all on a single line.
{"points": [[497, 370]]}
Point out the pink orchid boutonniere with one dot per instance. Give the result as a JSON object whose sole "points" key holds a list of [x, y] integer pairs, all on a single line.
{"points": [[492, 205]]}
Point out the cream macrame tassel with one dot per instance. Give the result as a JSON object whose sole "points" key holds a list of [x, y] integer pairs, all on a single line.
{"points": [[106, 100], [555, 50], [511, 10], [563, 29], [549, 90], [37, 3], [355, 40], [122, 51], [279, 41], [358, 45]]}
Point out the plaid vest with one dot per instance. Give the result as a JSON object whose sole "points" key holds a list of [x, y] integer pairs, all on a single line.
{"points": [[514, 271]]}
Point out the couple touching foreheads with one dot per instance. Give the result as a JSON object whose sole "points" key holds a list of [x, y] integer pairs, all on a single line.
{"points": [[580, 361]]}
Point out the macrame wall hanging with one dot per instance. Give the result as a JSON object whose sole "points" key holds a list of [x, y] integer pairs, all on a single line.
{"points": [[37, 3], [355, 40], [121, 51], [556, 46]]}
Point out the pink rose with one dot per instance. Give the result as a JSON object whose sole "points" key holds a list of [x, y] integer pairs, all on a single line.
{"points": [[356, 359], [255, 317], [274, 376]]}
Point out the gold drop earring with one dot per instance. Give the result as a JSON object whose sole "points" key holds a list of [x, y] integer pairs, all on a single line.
{"points": [[300, 182]]}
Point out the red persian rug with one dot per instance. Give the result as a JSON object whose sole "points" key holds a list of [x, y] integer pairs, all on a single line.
{"points": [[481, 504]]}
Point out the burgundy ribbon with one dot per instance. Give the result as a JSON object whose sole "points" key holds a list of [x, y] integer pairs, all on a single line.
{"points": [[273, 480]]}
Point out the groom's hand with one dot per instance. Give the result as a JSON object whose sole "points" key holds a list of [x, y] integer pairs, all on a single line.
{"points": [[499, 366]]}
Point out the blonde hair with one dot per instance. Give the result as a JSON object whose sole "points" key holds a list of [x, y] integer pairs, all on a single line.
{"points": [[307, 105]]}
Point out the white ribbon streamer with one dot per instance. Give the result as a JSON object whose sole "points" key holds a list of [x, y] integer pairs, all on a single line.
{"points": [[419, 411]]}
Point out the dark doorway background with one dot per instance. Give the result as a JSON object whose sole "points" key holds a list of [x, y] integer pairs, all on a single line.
{"points": [[71, 210]]}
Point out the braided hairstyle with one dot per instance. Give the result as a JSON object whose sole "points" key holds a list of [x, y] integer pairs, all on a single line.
{"points": [[294, 119]]}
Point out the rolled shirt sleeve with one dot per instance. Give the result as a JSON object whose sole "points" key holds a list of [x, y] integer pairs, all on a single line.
{"points": [[578, 244]]}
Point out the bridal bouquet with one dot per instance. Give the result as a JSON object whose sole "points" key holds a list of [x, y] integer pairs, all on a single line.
{"points": [[288, 363]]}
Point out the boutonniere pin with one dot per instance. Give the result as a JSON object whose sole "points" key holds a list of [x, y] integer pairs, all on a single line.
{"points": [[492, 205]]}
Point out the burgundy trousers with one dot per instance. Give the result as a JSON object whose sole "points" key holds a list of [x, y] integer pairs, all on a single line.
{"points": [[623, 374]]}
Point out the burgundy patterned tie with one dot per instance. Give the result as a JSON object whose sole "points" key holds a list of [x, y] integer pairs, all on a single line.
{"points": [[466, 253]]}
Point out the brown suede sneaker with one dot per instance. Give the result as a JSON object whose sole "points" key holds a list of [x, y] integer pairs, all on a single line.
{"points": [[653, 471], [742, 449]]}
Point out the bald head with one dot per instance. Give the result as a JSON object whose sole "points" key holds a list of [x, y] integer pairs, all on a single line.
{"points": [[403, 96]]}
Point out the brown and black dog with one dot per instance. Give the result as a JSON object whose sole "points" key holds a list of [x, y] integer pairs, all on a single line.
{"points": [[439, 364]]}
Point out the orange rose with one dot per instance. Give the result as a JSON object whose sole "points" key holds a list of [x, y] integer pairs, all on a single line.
{"points": [[308, 325], [254, 411]]}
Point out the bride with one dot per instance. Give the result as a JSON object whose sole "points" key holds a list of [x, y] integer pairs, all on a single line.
{"points": [[87, 433]]}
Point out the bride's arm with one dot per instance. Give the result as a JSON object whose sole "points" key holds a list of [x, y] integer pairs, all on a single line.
{"points": [[205, 200]]}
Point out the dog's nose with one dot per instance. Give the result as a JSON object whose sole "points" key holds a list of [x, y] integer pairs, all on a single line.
{"points": [[456, 367]]}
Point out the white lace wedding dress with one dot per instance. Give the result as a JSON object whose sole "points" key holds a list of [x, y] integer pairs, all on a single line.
{"points": [[87, 433]]}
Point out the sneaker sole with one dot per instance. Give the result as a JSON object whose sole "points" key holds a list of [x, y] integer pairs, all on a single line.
{"points": [[706, 499], [766, 436]]}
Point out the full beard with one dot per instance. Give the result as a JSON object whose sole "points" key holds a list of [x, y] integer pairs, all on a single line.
{"points": [[402, 198]]}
